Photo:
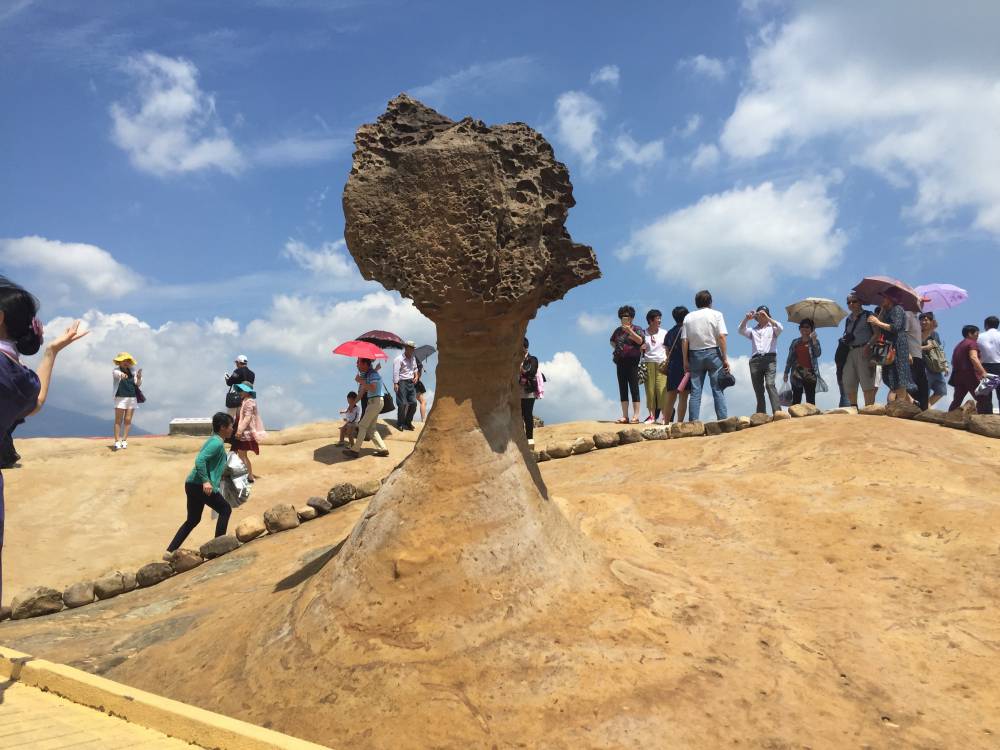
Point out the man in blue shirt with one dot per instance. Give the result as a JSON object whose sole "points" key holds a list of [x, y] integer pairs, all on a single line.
{"points": [[369, 381]]}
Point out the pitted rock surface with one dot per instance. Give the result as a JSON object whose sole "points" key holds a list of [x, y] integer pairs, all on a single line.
{"points": [[458, 213], [341, 494]]}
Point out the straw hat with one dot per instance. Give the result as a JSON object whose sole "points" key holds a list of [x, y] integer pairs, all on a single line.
{"points": [[124, 357]]}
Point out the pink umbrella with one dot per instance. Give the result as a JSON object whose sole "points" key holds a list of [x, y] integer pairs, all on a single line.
{"points": [[360, 349], [871, 289], [941, 296]]}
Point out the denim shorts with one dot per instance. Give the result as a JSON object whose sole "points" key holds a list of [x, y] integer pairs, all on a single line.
{"points": [[937, 384]]}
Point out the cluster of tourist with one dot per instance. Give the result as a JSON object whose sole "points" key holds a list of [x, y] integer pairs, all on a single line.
{"points": [[901, 348]]}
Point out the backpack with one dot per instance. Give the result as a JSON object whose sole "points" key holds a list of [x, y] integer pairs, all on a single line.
{"points": [[935, 358]]}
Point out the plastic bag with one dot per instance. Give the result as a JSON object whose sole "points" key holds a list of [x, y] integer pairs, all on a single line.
{"points": [[785, 395]]}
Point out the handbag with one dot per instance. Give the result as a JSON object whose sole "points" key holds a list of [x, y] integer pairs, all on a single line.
{"points": [[140, 397], [664, 366], [726, 380], [642, 372], [233, 399], [387, 403], [882, 351], [805, 375]]}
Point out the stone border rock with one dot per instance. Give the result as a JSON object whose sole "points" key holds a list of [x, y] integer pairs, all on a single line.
{"points": [[172, 718], [41, 600]]}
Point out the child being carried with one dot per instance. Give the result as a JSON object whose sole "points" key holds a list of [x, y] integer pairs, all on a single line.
{"points": [[352, 417]]}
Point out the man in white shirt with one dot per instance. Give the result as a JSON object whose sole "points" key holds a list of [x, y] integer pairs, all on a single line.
{"points": [[989, 351], [404, 374], [703, 344], [763, 356]]}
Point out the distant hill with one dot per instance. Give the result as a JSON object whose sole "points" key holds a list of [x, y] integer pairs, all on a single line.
{"points": [[55, 422]]}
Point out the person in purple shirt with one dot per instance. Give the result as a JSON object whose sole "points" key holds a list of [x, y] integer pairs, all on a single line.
{"points": [[23, 392]]}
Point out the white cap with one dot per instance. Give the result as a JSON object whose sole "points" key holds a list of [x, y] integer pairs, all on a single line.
{"points": [[242, 359]]}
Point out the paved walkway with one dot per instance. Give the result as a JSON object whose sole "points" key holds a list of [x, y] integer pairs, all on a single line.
{"points": [[31, 718]]}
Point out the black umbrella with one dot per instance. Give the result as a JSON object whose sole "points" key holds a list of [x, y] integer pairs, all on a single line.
{"points": [[423, 352], [382, 339]]}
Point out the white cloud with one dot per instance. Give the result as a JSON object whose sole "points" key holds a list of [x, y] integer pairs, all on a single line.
{"points": [[71, 266], [570, 393], [921, 109], [480, 78], [691, 125], [300, 150], [628, 151], [171, 127], [593, 324], [307, 328], [578, 119], [225, 326], [609, 74], [330, 260], [82, 377], [705, 157], [743, 239], [296, 335], [710, 67]]}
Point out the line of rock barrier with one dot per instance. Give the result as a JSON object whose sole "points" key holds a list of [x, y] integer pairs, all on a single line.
{"points": [[986, 425], [42, 600]]}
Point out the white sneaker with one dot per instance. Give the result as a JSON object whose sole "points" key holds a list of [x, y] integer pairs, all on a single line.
{"points": [[118, 445], [531, 443], [124, 444]]}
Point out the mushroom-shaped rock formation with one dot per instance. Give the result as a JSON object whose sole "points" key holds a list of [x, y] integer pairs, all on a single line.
{"points": [[460, 557], [468, 221]]}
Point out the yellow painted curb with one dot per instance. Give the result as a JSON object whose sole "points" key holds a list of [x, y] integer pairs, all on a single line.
{"points": [[175, 719]]}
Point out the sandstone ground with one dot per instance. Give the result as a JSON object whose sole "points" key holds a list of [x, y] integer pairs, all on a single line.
{"points": [[826, 582]]}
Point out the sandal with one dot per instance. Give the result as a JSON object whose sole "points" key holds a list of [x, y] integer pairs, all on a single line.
{"points": [[635, 421], [622, 420]]}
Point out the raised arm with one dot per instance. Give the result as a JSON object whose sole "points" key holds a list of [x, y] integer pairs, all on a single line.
{"points": [[44, 370]]}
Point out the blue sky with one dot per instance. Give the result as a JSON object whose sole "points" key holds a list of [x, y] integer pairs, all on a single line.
{"points": [[173, 170]]}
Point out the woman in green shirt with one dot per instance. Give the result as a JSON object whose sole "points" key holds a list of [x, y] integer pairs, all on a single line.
{"points": [[202, 485]]}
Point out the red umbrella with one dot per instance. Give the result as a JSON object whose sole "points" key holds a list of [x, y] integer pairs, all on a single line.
{"points": [[871, 289], [384, 339], [361, 349]]}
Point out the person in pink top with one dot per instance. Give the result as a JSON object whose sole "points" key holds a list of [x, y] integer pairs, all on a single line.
{"points": [[249, 428]]}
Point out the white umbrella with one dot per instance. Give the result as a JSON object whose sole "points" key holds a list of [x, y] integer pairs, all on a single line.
{"points": [[825, 313]]}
